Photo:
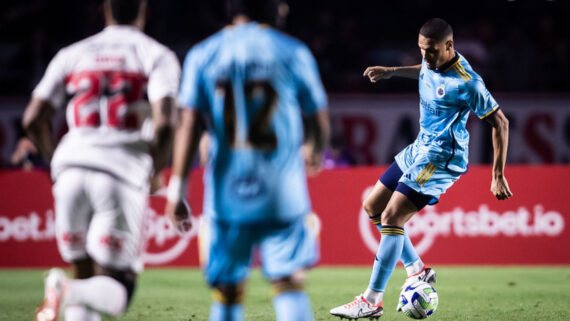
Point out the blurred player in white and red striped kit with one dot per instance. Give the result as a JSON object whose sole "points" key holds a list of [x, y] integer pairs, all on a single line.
{"points": [[118, 88]]}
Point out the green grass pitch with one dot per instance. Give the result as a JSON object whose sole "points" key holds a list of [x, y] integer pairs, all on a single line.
{"points": [[465, 293]]}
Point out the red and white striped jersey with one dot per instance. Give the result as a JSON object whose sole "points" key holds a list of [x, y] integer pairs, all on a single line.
{"points": [[106, 82]]}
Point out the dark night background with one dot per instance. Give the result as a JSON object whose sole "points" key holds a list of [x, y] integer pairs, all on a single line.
{"points": [[516, 46]]}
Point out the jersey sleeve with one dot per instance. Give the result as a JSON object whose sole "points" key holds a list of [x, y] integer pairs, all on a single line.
{"points": [[192, 88], [479, 99], [51, 87], [311, 93], [164, 77]]}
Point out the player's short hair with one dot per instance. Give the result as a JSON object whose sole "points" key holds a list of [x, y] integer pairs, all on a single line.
{"points": [[437, 29], [257, 10], [125, 11]]}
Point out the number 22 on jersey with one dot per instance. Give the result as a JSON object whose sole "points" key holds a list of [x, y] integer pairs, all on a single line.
{"points": [[103, 97]]}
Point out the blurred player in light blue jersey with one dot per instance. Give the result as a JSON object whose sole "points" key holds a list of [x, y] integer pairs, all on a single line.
{"points": [[449, 91], [252, 84]]}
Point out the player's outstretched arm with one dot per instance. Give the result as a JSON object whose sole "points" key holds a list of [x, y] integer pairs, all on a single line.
{"points": [[186, 143], [317, 138], [376, 73], [37, 124], [499, 185]]}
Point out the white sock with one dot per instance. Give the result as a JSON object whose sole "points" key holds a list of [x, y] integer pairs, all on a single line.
{"points": [[100, 293], [80, 313], [415, 267], [372, 296]]}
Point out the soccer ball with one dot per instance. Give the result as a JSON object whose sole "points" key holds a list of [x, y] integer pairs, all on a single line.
{"points": [[418, 300]]}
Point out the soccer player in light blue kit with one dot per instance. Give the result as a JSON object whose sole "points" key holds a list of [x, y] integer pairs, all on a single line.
{"points": [[252, 84], [449, 91]]}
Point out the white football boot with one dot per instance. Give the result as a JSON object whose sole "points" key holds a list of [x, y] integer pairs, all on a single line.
{"points": [[51, 308], [426, 275], [358, 308]]}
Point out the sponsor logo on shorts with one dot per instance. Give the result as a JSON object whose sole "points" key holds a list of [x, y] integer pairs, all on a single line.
{"points": [[72, 240], [112, 242]]}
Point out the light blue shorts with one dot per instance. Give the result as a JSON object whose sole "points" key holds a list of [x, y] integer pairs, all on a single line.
{"points": [[424, 176], [284, 248]]}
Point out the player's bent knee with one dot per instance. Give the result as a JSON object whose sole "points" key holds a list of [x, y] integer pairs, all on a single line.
{"points": [[373, 205], [367, 206], [290, 286], [229, 294], [293, 282], [375, 219], [391, 218]]}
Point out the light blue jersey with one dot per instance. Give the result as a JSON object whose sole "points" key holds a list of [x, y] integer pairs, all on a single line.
{"points": [[252, 83], [439, 155], [446, 98]]}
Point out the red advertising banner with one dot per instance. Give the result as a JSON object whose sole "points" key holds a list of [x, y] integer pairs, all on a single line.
{"points": [[468, 226]]}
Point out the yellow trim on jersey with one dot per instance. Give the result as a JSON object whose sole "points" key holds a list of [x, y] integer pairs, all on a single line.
{"points": [[428, 175], [426, 170], [460, 66], [489, 113], [453, 64], [459, 73], [462, 73]]}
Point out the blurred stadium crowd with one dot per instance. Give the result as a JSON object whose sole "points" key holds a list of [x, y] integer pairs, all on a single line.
{"points": [[517, 46]]}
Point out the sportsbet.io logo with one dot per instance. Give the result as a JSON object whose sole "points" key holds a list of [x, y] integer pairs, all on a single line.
{"points": [[33, 227], [483, 222], [164, 243]]}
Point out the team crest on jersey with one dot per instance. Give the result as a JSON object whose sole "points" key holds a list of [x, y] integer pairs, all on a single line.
{"points": [[440, 91]]}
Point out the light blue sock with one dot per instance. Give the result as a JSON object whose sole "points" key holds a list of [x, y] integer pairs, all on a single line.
{"points": [[293, 306], [409, 254], [222, 312], [389, 252]]}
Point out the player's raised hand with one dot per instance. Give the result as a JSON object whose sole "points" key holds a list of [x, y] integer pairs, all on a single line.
{"points": [[376, 73], [179, 215], [500, 188]]}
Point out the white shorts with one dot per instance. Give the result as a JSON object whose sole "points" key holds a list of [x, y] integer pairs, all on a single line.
{"points": [[99, 216]]}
